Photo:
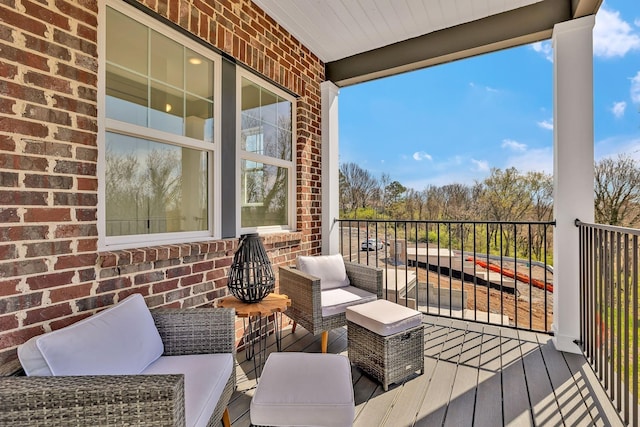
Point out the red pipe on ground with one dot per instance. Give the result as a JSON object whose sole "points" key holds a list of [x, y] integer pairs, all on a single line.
{"points": [[510, 273]]}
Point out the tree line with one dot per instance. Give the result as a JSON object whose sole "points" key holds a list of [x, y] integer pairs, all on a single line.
{"points": [[504, 195]]}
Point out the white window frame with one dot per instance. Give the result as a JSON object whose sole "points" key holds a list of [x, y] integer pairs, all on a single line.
{"points": [[109, 125], [241, 155]]}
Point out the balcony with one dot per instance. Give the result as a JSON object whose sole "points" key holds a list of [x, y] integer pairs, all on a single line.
{"points": [[485, 290]]}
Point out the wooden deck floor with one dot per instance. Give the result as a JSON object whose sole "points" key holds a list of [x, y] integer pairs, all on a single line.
{"points": [[475, 375]]}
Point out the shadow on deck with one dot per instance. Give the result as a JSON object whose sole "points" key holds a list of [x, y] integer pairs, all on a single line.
{"points": [[475, 375]]}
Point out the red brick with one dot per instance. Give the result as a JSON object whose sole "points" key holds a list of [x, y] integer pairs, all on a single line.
{"points": [[70, 9], [8, 322], [8, 124], [87, 184], [9, 215], [69, 293], [19, 336], [8, 252], [44, 249], [50, 280], [47, 215], [203, 266], [47, 82], [113, 284], [20, 302], [76, 136], [46, 15], [76, 43], [87, 245], [46, 313], [22, 21], [74, 261], [43, 114], [178, 271], [74, 230], [32, 232], [164, 286], [8, 287], [191, 280]]}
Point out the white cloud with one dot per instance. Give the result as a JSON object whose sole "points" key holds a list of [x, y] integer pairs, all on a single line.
{"points": [[421, 155], [622, 144], [635, 88], [513, 145], [637, 22], [533, 160], [618, 109], [612, 36], [481, 165], [544, 48], [546, 124]]}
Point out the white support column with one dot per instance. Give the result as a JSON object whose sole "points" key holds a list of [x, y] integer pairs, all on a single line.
{"points": [[573, 170], [330, 167]]}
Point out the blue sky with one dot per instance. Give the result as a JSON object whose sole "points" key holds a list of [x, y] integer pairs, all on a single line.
{"points": [[454, 122]]}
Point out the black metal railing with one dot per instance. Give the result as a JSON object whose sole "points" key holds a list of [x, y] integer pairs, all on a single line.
{"points": [[489, 272], [609, 294]]}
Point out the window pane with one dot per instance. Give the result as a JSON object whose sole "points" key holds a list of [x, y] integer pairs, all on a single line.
{"points": [[167, 60], [268, 107], [284, 114], [264, 195], [199, 79], [127, 42], [167, 112], [250, 100], [199, 119], [153, 187], [127, 96]]}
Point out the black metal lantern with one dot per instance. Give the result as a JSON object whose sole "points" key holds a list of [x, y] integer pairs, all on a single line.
{"points": [[251, 277]]}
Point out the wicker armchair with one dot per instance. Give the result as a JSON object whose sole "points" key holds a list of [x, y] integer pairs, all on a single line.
{"points": [[149, 400], [305, 293]]}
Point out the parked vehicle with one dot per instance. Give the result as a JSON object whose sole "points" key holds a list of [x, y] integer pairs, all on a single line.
{"points": [[372, 245]]}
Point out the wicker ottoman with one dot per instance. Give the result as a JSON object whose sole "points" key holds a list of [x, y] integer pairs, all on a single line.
{"points": [[304, 389], [385, 340]]}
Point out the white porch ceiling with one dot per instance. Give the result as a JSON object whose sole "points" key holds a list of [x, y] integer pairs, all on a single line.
{"points": [[360, 40], [336, 29]]}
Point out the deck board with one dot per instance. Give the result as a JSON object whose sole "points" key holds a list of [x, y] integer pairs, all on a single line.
{"points": [[475, 375]]}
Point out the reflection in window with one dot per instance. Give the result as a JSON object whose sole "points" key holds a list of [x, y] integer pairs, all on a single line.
{"points": [[160, 133], [158, 83], [266, 138], [147, 190], [264, 194]]}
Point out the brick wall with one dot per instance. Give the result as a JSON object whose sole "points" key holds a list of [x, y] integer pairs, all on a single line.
{"points": [[51, 272]]}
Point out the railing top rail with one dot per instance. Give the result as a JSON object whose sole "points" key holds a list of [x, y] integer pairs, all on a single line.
{"points": [[605, 227], [439, 221]]}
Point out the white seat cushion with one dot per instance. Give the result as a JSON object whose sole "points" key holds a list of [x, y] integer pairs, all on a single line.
{"points": [[329, 269], [102, 344], [336, 300], [205, 376], [304, 389], [384, 317]]}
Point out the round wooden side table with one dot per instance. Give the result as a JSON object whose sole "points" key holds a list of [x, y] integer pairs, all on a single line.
{"points": [[255, 317]]}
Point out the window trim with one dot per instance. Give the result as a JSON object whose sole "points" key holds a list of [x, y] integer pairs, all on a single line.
{"points": [[241, 155], [105, 125]]}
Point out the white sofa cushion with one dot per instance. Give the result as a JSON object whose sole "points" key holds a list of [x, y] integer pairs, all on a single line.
{"points": [[336, 300], [328, 268], [205, 376], [384, 317], [304, 389], [31, 359], [120, 340]]}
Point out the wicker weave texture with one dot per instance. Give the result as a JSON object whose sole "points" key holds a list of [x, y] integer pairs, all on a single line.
{"points": [[119, 400], [304, 291], [389, 359]]}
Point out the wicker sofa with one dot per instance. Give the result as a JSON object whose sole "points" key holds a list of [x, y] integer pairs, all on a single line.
{"points": [[143, 399], [306, 290]]}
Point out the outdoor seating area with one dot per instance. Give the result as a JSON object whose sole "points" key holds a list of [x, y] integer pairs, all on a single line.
{"points": [[170, 367]]}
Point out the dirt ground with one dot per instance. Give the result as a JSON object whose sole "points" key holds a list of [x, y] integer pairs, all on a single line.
{"points": [[481, 298]]}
